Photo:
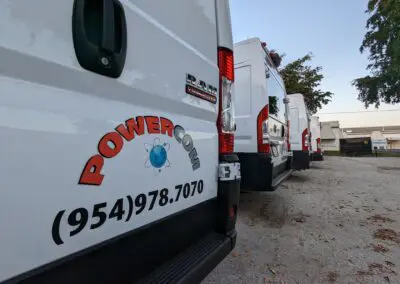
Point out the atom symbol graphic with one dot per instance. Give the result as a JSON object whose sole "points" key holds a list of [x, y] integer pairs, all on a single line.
{"points": [[158, 156]]}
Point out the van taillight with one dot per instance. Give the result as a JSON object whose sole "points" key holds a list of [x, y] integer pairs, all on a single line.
{"points": [[304, 140], [318, 145], [262, 131], [226, 119]]}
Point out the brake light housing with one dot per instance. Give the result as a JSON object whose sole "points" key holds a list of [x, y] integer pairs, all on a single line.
{"points": [[304, 140], [226, 117], [263, 145], [318, 145]]}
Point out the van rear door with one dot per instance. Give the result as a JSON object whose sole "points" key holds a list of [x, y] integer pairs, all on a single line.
{"points": [[295, 136], [245, 132], [88, 158], [277, 116]]}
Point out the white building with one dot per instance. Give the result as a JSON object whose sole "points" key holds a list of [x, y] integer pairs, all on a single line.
{"points": [[330, 135], [385, 124]]}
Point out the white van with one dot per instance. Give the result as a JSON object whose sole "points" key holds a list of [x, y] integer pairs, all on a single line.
{"points": [[261, 118], [117, 159], [378, 141], [317, 154], [299, 132]]}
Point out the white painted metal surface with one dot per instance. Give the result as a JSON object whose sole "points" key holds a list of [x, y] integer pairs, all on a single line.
{"points": [[54, 113], [299, 120], [225, 38], [315, 132], [257, 80]]}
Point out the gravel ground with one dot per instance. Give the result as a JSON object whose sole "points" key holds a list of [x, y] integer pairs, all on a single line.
{"points": [[335, 223]]}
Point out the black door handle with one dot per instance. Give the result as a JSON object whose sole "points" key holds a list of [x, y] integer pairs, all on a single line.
{"points": [[100, 36], [107, 42]]}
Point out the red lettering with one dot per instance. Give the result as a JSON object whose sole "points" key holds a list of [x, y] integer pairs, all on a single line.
{"points": [[167, 127], [91, 172], [131, 127], [105, 148], [153, 124]]}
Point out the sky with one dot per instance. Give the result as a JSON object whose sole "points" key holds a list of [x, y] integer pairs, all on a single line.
{"points": [[332, 30]]}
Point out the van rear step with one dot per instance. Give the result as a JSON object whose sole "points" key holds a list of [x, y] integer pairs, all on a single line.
{"points": [[280, 178], [195, 263]]}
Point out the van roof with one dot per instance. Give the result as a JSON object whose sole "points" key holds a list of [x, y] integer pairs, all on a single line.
{"points": [[246, 41], [296, 95]]}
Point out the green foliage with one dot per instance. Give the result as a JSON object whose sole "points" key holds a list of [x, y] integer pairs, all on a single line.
{"points": [[382, 40], [273, 105], [303, 79]]}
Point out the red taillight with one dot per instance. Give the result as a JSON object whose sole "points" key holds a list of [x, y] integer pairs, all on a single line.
{"points": [[226, 143], [262, 131], [318, 145], [304, 140], [232, 212], [226, 121], [225, 63]]}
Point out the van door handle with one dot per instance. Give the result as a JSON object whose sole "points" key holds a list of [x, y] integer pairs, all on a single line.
{"points": [[100, 36], [107, 41]]}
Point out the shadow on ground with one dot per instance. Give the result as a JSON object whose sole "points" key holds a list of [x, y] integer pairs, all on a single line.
{"points": [[265, 207], [297, 178]]}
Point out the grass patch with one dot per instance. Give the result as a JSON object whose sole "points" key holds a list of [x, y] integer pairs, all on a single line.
{"points": [[332, 153], [386, 154]]}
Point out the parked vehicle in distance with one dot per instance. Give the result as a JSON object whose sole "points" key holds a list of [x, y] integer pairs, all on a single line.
{"points": [[354, 147], [299, 132], [117, 135], [261, 138], [317, 154], [378, 141]]}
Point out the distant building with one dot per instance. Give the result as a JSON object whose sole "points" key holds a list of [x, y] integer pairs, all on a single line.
{"points": [[391, 133], [330, 135], [377, 125]]}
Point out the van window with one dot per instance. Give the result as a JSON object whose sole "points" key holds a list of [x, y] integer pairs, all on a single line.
{"points": [[276, 94]]}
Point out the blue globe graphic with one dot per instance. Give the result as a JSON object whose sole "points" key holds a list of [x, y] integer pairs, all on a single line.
{"points": [[158, 156]]}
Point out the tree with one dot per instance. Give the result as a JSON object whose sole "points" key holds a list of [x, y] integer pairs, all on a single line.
{"points": [[303, 79], [382, 40]]}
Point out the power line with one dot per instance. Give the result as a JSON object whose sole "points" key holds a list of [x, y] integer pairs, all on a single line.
{"points": [[362, 111]]}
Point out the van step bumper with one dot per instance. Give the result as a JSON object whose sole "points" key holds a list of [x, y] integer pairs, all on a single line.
{"points": [[280, 178], [192, 265], [259, 173], [317, 156], [301, 160]]}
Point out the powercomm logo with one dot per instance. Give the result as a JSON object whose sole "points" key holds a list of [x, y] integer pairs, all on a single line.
{"points": [[112, 144], [158, 156]]}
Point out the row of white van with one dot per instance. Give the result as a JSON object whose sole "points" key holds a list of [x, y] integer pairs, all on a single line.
{"points": [[275, 132], [119, 159]]}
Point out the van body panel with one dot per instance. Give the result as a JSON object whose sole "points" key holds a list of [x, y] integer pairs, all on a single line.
{"points": [[315, 126], [257, 85], [61, 123], [299, 118]]}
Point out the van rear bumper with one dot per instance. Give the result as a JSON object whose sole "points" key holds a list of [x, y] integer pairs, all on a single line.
{"points": [[196, 262], [317, 156], [301, 160], [259, 173], [180, 248]]}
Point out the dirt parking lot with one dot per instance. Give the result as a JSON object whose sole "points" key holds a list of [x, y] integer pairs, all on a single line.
{"points": [[335, 223]]}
